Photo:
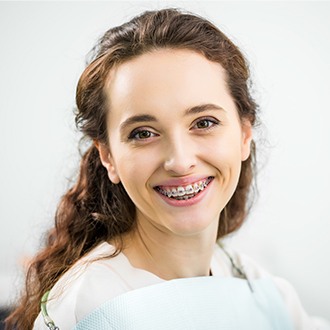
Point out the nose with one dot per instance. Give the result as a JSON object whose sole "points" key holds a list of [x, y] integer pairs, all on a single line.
{"points": [[180, 156]]}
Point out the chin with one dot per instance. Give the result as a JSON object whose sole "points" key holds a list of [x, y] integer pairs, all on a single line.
{"points": [[193, 226]]}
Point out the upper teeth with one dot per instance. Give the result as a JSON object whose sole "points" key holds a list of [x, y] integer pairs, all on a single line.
{"points": [[184, 190]]}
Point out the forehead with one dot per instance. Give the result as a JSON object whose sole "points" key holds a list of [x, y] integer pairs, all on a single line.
{"points": [[167, 79]]}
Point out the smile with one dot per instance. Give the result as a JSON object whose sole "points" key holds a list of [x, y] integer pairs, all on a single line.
{"points": [[184, 192]]}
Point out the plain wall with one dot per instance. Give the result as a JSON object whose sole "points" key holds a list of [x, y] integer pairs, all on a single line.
{"points": [[43, 48]]}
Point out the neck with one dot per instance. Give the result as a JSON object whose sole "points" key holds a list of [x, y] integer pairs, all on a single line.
{"points": [[169, 256]]}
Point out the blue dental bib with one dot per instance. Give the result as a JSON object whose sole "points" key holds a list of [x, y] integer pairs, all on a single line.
{"points": [[200, 303]]}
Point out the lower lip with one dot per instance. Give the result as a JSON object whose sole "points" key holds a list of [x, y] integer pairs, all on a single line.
{"points": [[186, 202]]}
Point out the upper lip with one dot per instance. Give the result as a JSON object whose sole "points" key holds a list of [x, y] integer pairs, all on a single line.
{"points": [[181, 181]]}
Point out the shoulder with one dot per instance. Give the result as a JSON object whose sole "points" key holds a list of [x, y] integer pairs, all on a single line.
{"points": [[226, 261], [255, 271], [94, 279]]}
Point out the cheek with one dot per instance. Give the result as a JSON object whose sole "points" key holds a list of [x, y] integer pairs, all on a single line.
{"points": [[225, 155], [225, 150], [134, 168]]}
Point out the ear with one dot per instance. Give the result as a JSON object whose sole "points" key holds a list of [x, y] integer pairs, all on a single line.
{"points": [[107, 161], [246, 139]]}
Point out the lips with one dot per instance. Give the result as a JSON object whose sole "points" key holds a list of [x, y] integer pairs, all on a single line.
{"points": [[184, 192]]}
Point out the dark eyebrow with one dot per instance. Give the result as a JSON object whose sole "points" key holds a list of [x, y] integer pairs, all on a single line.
{"points": [[136, 119], [147, 118], [202, 108]]}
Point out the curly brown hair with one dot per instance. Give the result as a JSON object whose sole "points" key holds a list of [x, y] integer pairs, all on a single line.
{"points": [[96, 210]]}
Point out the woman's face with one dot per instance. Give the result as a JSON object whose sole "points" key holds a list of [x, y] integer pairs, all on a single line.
{"points": [[175, 139]]}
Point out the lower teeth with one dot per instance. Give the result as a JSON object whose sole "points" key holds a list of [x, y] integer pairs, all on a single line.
{"points": [[184, 197], [180, 198]]}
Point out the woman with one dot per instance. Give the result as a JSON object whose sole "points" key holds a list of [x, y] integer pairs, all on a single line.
{"points": [[166, 105]]}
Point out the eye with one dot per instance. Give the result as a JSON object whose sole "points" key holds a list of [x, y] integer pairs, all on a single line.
{"points": [[203, 123], [141, 134], [206, 123]]}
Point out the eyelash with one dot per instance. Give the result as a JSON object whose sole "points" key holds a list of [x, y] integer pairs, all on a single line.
{"points": [[134, 133], [212, 122]]}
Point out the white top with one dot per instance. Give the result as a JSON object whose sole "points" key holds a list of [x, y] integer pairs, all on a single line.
{"points": [[93, 281]]}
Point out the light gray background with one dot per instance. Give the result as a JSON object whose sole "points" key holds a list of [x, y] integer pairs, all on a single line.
{"points": [[43, 48]]}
